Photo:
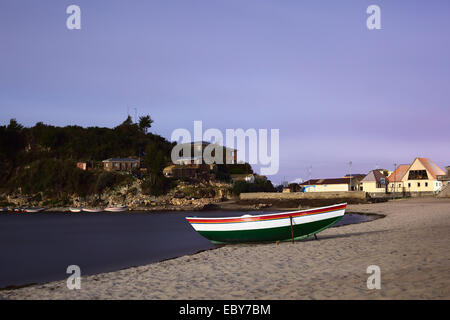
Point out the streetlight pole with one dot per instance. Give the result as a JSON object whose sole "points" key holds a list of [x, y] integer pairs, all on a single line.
{"points": [[350, 163], [395, 179]]}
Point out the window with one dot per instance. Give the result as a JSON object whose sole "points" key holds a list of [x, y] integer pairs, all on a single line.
{"points": [[418, 184], [409, 184], [418, 175], [399, 185], [426, 184]]}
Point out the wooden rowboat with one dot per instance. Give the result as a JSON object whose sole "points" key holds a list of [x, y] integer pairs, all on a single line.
{"points": [[33, 210], [283, 226], [93, 210], [117, 209], [75, 210]]}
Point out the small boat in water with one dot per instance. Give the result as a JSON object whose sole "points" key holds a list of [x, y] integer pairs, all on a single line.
{"points": [[92, 210], [75, 210], [117, 209], [283, 226], [33, 210]]}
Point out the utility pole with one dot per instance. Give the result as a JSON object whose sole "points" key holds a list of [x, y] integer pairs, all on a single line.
{"points": [[309, 174], [395, 179], [350, 164]]}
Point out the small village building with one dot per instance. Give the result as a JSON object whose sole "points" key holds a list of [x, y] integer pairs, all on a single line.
{"points": [[331, 185], [422, 176], [395, 179], [292, 187], [355, 180], [85, 165], [374, 182], [445, 179], [198, 154], [121, 164]]}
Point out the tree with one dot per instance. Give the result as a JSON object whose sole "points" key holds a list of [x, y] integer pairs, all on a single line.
{"points": [[12, 140], [127, 122], [155, 162], [145, 123]]}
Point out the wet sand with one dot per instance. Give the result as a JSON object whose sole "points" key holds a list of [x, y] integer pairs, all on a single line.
{"points": [[410, 245]]}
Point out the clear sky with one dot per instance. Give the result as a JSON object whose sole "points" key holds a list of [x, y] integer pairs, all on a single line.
{"points": [[336, 90]]}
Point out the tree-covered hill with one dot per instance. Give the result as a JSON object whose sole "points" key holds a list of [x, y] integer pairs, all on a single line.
{"points": [[42, 158]]}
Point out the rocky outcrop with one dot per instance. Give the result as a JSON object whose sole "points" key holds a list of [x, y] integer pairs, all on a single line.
{"points": [[185, 196]]}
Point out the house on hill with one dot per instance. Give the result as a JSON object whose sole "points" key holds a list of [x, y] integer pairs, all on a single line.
{"points": [[85, 165], [198, 153], [121, 164]]}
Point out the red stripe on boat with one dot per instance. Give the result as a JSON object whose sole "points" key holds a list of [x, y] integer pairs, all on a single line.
{"points": [[266, 217]]}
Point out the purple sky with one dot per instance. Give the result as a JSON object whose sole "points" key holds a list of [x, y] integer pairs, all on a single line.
{"points": [[337, 91]]}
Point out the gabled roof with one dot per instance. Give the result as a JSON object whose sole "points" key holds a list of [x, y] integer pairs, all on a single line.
{"points": [[374, 175], [204, 144], [399, 173], [431, 167]]}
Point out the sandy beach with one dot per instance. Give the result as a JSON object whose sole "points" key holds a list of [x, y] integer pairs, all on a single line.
{"points": [[410, 245]]}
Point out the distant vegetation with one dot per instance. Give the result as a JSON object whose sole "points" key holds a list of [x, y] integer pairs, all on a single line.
{"points": [[259, 186], [43, 158]]}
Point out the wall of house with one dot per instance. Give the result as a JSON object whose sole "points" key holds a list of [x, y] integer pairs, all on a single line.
{"points": [[119, 166], [326, 188], [425, 186], [395, 187], [371, 186]]}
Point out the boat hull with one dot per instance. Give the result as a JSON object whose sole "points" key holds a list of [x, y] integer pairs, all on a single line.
{"points": [[92, 210], [268, 228], [117, 209], [33, 210]]}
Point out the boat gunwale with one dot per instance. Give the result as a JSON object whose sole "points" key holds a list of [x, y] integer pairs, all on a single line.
{"points": [[279, 215]]}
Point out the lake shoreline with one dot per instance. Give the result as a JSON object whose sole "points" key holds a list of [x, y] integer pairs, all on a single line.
{"points": [[232, 205], [333, 267], [17, 286]]}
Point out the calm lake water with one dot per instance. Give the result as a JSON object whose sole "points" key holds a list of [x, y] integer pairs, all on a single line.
{"points": [[37, 248]]}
